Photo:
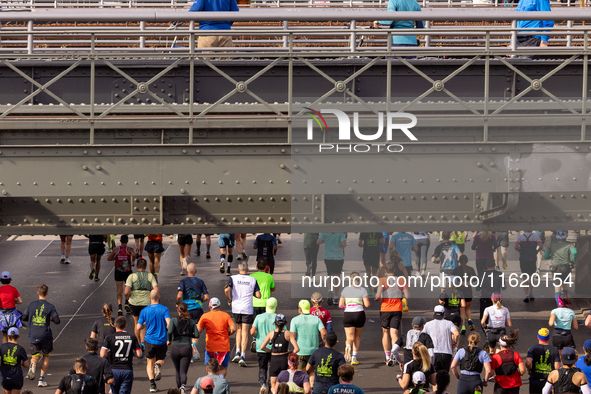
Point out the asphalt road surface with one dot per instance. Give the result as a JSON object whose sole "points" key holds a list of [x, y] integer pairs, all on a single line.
{"points": [[33, 260]]}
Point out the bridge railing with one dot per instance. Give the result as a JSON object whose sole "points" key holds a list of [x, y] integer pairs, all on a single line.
{"points": [[32, 4]]}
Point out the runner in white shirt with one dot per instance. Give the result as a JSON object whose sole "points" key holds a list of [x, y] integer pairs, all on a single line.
{"points": [[445, 338], [353, 299], [239, 292], [498, 318]]}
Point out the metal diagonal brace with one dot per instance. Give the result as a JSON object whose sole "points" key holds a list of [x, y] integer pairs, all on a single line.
{"points": [[42, 88]]}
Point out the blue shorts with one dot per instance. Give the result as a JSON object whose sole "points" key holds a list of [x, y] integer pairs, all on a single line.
{"points": [[222, 357], [226, 240], [123, 381]]}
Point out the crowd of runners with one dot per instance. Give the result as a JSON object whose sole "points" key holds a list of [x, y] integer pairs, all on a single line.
{"points": [[299, 356]]}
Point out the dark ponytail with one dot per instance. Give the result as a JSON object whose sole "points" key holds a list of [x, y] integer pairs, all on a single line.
{"points": [[442, 381], [416, 389]]}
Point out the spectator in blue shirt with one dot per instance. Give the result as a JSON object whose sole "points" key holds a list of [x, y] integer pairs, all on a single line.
{"points": [[346, 373], [402, 5], [537, 40], [214, 6]]}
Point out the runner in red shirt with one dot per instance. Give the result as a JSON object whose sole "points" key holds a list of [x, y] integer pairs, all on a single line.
{"points": [[122, 256], [9, 297], [322, 313], [508, 366]]}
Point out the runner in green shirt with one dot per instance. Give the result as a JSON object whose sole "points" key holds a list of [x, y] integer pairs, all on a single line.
{"points": [[263, 324], [306, 327]]}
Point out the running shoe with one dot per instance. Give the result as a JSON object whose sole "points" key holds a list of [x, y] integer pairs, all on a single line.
{"points": [[183, 390], [157, 372], [222, 266], [497, 268], [390, 362], [153, 388], [196, 355], [505, 263], [119, 312], [66, 261], [127, 307], [207, 255], [354, 361], [236, 358], [42, 383], [531, 297], [330, 298], [538, 271], [347, 353], [228, 272], [96, 279], [31, 373], [184, 264], [239, 257], [526, 299], [63, 258], [242, 362], [404, 305], [263, 389], [183, 272], [253, 346], [279, 241], [471, 325], [91, 274], [198, 252], [335, 301], [244, 255], [143, 348], [463, 332]]}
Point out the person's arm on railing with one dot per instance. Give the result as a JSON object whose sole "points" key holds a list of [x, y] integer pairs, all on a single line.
{"points": [[545, 6]]}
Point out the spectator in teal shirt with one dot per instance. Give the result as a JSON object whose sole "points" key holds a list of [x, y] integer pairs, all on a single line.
{"points": [[402, 5]]}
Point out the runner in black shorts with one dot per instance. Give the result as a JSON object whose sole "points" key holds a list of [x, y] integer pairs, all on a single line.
{"points": [[122, 256], [240, 318], [207, 245], [185, 241], [96, 249]]}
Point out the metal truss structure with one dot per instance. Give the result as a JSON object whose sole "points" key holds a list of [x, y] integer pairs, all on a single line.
{"points": [[130, 137]]}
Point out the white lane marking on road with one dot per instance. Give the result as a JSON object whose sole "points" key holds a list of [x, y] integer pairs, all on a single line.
{"points": [[163, 253], [42, 250], [84, 302]]}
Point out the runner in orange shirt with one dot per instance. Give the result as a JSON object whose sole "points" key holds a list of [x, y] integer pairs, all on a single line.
{"points": [[218, 326], [391, 291]]}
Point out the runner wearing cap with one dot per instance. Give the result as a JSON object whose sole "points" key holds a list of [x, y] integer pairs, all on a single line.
{"points": [[263, 324], [562, 253], [584, 362], [306, 328], [213, 382], [218, 326], [471, 360], [279, 340], [353, 299], [508, 366], [346, 373], [421, 362], [567, 379], [498, 318], [541, 360], [406, 342], [9, 297], [390, 294], [207, 385], [12, 356], [563, 319], [240, 291], [445, 336]]}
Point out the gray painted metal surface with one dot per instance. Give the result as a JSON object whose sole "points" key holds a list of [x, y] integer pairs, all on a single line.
{"points": [[220, 146]]}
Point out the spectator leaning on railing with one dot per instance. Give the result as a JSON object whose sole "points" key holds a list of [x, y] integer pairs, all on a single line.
{"points": [[537, 40]]}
